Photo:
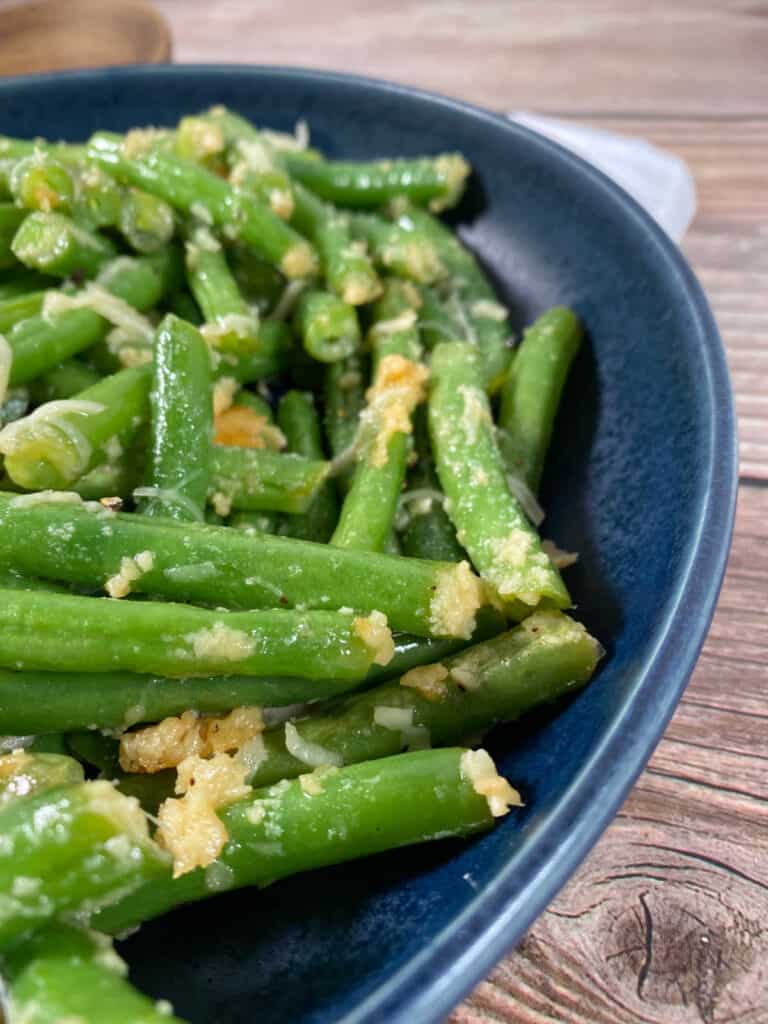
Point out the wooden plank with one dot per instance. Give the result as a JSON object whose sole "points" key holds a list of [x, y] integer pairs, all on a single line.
{"points": [[609, 55], [727, 246], [665, 921]]}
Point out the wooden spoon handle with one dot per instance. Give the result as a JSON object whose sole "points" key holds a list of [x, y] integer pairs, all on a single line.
{"points": [[49, 35]]}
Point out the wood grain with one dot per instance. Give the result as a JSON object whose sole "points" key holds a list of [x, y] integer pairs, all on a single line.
{"points": [[665, 923], [50, 35], [695, 57]]}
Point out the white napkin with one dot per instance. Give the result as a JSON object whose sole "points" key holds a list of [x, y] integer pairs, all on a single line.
{"points": [[658, 180]]}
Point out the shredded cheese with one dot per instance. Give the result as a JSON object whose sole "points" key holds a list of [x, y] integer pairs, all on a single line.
{"points": [[429, 680], [376, 635], [477, 767], [131, 569], [95, 297], [309, 753]]}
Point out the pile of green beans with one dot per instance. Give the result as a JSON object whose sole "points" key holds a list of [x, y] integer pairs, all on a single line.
{"points": [[269, 475]]}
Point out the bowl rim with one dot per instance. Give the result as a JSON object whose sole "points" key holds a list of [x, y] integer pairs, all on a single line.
{"points": [[424, 990]]}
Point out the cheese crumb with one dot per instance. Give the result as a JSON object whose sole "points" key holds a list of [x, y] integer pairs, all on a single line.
{"points": [[224, 392], [312, 782], [429, 680], [242, 427], [376, 635], [458, 595], [131, 569], [478, 768], [168, 743], [221, 643], [189, 827], [400, 386]]}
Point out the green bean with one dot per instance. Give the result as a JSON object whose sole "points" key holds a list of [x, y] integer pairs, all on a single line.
{"points": [[43, 341], [404, 253], [18, 308], [438, 705], [145, 221], [231, 325], [358, 811], [99, 199], [436, 322], [40, 182], [196, 138], [259, 480], [257, 522], [182, 303], [190, 189], [261, 284], [471, 299], [348, 270], [119, 478], [59, 443], [271, 354], [438, 181], [428, 532], [63, 974], [40, 701], [51, 743], [102, 752], [368, 512], [531, 393], [344, 394], [92, 849], [54, 244], [299, 422], [10, 219], [60, 632], [328, 327], [75, 545], [63, 381], [23, 773], [489, 521], [181, 421]]}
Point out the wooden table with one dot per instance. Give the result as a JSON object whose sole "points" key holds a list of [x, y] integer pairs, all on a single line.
{"points": [[665, 922]]}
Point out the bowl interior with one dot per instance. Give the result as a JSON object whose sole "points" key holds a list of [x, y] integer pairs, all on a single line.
{"points": [[642, 460]]}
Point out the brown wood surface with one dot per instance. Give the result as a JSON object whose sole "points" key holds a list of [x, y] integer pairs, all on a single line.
{"points": [[665, 923], [48, 35]]}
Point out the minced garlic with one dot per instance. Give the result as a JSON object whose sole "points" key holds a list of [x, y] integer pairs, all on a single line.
{"points": [[458, 595], [398, 388], [168, 743], [376, 635], [221, 643], [131, 569], [243, 427]]}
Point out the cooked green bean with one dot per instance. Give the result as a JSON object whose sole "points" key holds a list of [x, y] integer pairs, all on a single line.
{"points": [[64, 974], [19, 280], [23, 772], [41, 182], [145, 221], [99, 198], [92, 849], [329, 327], [344, 394], [63, 381], [10, 219], [532, 390], [19, 307], [54, 244], [228, 568], [489, 521], [192, 190], [299, 422], [438, 181], [404, 253], [259, 480], [347, 268], [181, 422], [355, 812]]}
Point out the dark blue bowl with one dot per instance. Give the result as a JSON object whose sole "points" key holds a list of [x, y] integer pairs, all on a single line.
{"points": [[641, 482]]}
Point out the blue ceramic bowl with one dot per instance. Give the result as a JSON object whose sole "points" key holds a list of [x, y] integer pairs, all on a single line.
{"points": [[641, 482]]}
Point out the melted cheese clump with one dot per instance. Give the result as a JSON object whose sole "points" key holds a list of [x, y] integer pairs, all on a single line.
{"points": [[429, 680]]}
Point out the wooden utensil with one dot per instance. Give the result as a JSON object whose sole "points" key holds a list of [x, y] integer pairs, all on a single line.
{"points": [[49, 35]]}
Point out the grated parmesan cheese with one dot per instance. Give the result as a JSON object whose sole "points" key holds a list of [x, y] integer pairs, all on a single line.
{"points": [[477, 767], [131, 569], [309, 753], [398, 388], [376, 635], [312, 782], [96, 298], [458, 595], [224, 391], [429, 680], [221, 643], [189, 827], [168, 743]]}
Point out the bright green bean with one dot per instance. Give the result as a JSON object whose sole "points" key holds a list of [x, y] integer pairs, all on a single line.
{"points": [[10, 219], [41, 182], [54, 244], [231, 325], [329, 327], [260, 480], [18, 308], [145, 221], [406, 254], [299, 422]]}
